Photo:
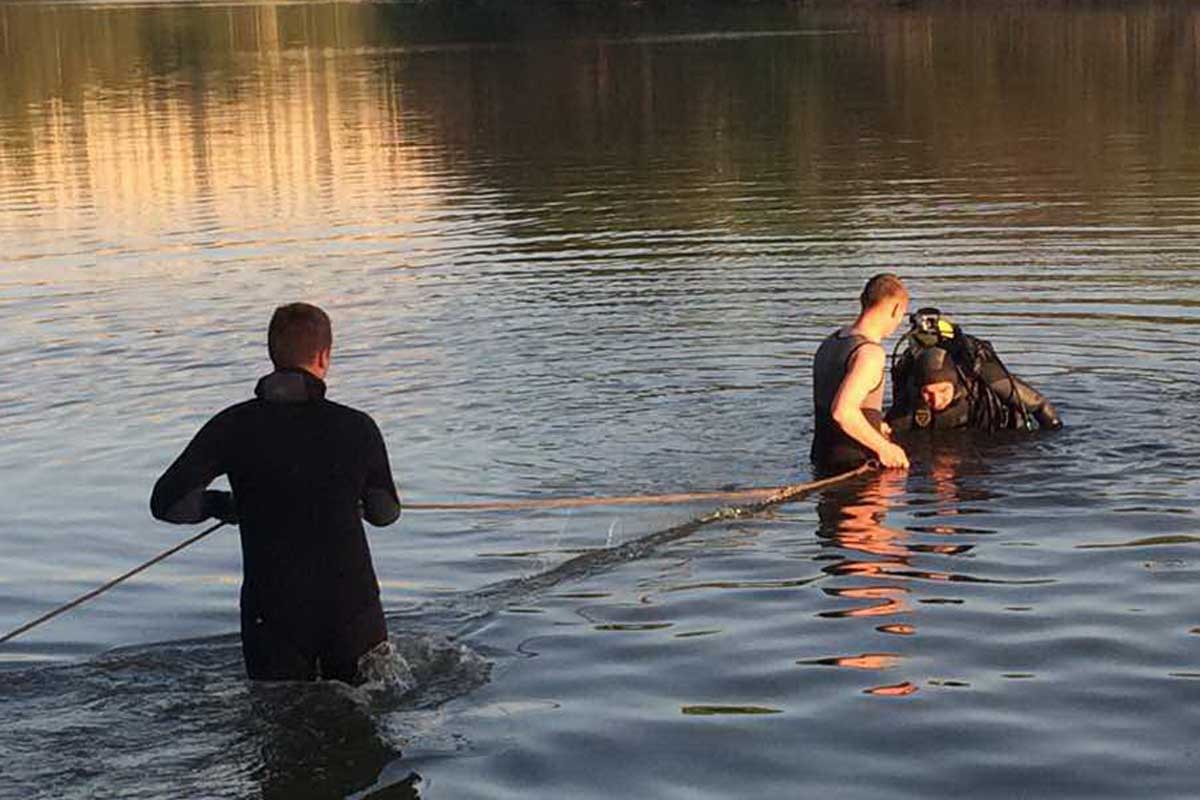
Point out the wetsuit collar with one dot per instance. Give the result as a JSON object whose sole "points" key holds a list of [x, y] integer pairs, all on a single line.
{"points": [[290, 386]]}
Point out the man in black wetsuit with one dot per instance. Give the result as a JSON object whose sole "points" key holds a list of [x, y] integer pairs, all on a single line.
{"points": [[304, 472], [848, 383], [947, 380]]}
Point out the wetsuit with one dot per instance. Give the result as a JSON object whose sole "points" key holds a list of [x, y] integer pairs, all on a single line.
{"points": [[832, 448], [1016, 398], [304, 471]]}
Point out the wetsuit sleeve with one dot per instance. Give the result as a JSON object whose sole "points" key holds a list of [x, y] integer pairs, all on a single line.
{"points": [[1029, 398], [180, 495], [380, 503]]}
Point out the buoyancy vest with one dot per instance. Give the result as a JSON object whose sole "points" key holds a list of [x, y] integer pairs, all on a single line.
{"points": [[831, 445]]}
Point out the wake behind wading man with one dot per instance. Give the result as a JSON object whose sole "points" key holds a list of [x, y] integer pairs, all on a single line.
{"points": [[848, 383], [305, 472]]}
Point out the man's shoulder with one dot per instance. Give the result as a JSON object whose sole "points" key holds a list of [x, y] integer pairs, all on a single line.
{"points": [[246, 411], [849, 337], [835, 334], [348, 413], [831, 340], [255, 405], [233, 412], [867, 349]]}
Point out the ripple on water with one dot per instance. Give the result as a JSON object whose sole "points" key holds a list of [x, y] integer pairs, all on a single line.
{"points": [[187, 707], [611, 284]]}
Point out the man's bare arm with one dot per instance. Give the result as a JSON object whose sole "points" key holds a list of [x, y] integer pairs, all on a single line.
{"points": [[864, 373]]}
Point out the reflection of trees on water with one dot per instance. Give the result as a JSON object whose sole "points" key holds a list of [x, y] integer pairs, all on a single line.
{"points": [[1085, 102], [704, 126]]}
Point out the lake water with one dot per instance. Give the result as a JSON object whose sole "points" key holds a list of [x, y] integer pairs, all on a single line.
{"points": [[577, 252]]}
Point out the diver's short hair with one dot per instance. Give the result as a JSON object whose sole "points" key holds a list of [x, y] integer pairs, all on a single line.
{"points": [[297, 334], [881, 288]]}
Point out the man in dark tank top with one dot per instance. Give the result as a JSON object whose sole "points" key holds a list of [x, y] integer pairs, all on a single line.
{"points": [[848, 383]]}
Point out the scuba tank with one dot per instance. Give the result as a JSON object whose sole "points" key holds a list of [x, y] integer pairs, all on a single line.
{"points": [[930, 328]]}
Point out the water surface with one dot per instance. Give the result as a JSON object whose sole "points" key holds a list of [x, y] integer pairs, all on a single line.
{"points": [[585, 253]]}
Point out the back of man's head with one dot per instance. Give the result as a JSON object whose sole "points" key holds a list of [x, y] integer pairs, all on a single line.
{"points": [[881, 289], [298, 333]]}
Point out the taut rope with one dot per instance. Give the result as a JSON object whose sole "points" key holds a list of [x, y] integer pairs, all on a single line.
{"points": [[83, 598], [767, 496]]}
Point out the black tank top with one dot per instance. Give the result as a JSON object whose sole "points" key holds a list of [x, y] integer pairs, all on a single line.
{"points": [[832, 447]]}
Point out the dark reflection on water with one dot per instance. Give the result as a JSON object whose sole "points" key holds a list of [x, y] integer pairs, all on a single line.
{"points": [[180, 720], [816, 123], [570, 251]]}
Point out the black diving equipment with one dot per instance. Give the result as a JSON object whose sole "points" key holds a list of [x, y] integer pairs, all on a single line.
{"points": [[936, 349], [929, 326]]}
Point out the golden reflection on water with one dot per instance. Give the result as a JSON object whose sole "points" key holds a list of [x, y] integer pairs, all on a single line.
{"points": [[282, 147], [883, 601], [876, 560], [852, 520], [164, 157], [853, 523], [902, 689], [140, 123]]}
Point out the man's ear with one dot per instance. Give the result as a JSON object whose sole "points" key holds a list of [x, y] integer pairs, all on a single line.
{"points": [[324, 357]]}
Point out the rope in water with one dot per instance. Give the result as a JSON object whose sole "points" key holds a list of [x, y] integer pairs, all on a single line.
{"points": [[590, 561], [769, 496], [584, 502], [83, 598]]}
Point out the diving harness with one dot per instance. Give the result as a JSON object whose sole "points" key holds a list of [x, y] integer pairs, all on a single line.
{"points": [[987, 410]]}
